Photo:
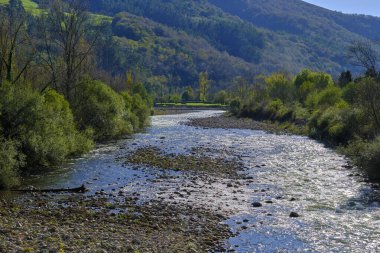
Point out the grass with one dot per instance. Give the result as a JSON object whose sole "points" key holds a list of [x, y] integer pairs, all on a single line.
{"points": [[33, 8], [190, 104], [29, 6], [98, 19]]}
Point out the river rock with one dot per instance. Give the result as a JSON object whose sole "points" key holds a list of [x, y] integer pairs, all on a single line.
{"points": [[294, 215], [257, 204]]}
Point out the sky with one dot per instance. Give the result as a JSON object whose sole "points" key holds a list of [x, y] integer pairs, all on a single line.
{"points": [[368, 7]]}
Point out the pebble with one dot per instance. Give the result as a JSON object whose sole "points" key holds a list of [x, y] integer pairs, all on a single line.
{"points": [[256, 204], [294, 215]]}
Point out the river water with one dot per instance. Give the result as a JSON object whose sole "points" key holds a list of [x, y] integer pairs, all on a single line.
{"points": [[339, 211]]}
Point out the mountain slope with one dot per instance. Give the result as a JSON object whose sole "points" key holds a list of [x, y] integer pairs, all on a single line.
{"points": [[175, 40], [198, 18], [299, 34], [174, 55]]}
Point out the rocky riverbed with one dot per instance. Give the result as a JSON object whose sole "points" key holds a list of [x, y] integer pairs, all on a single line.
{"points": [[213, 186], [226, 121], [106, 223]]}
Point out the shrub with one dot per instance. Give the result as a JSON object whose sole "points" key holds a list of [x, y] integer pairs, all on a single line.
{"points": [[235, 106], [327, 97], [276, 110], [280, 87], [43, 125], [221, 97], [10, 161], [130, 116], [100, 108], [141, 109], [367, 155]]}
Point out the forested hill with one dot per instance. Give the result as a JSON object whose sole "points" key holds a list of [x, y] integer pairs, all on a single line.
{"points": [[299, 34], [269, 35]]}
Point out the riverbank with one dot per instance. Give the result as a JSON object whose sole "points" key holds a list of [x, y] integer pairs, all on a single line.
{"points": [[226, 121], [176, 188], [356, 151], [103, 223]]}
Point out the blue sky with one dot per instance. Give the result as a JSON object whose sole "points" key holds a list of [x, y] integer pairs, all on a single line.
{"points": [[369, 7]]}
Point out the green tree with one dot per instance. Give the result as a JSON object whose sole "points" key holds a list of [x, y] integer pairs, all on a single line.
{"points": [[101, 109], [368, 98], [345, 78], [221, 97], [204, 83], [188, 94], [280, 87]]}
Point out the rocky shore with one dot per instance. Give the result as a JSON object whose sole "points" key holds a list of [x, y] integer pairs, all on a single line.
{"points": [[227, 121], [77, 223], [172, 217]]}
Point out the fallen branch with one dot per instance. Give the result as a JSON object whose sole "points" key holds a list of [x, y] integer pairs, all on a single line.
{"points": [[80, 189]]}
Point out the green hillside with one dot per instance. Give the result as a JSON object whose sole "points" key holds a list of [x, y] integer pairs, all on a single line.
{"points": [[173, 40], [300, 34], [29, 5], [172, 56], [286, 35]]}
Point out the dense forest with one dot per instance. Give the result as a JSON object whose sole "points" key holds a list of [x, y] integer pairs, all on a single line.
{"points": [[51, 105], [166, 44]]}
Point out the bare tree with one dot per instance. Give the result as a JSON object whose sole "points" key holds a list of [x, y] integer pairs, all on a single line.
{"points": [[363, 54], [369, 98], [16, 46], [64, 30]]}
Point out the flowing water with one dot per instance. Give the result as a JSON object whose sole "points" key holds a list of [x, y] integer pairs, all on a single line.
{"points": [[339, 211]]}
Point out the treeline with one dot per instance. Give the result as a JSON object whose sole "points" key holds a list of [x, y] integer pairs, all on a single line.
{"points": [[225, 32], [51, 107], [165, 59], [343, 113]]}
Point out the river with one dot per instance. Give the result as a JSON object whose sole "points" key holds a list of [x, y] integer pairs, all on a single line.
{"points": [[339, 211]]}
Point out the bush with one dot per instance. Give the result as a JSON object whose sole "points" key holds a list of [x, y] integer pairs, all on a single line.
{"points": [[327, 97], [235, 106], [367, 155], [130, 116], [221, 97], [101, 109], [276, 110], [141, 109], [10, 161], [43, 125]]}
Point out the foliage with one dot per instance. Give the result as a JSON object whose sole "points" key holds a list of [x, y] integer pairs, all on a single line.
{"points": [[100, 109], [338, 114], [235, 106], [9, 164], [42, 124], [367, 154], [223, 31], [204, 83], [187, 95], [221, 97]]}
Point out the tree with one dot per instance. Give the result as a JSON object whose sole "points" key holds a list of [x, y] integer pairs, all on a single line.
{"points": [[65, 31], [188, 94], [369, 99], [280, 87], [221, 97], [345, 78], [363, 54], [129, 81], [241, 85], [204, 83], [16, 49]]}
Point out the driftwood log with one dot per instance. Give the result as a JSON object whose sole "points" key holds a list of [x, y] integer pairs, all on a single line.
{"points": [[80, 189]]}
